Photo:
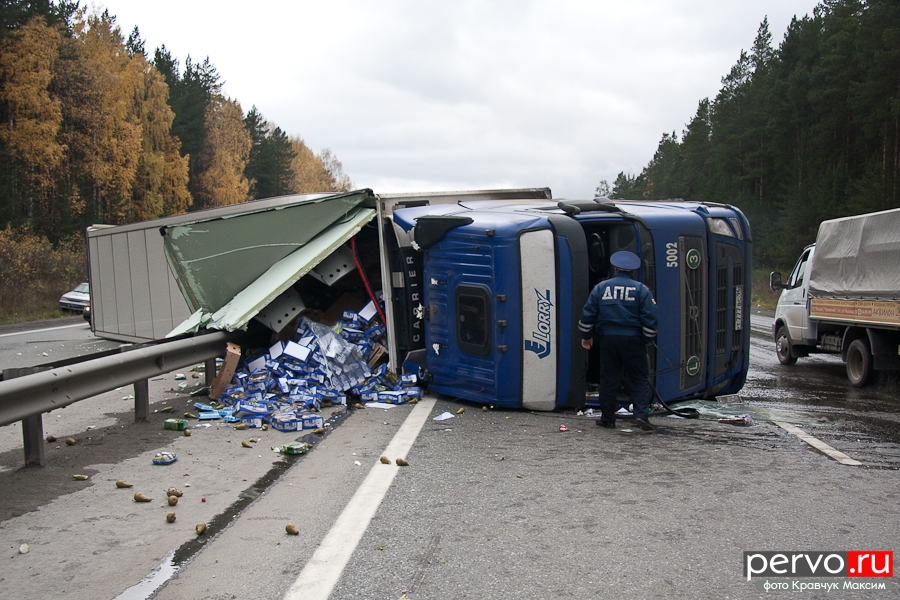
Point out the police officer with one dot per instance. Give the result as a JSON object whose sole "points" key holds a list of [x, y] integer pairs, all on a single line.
{"points": [[622, 313]]}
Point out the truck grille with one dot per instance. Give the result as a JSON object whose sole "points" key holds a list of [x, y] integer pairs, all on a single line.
{"points": [[693, 294], [729, 294]]}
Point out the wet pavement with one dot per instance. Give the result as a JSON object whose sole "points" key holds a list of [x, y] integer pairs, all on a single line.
{"points": [[814, 394]]}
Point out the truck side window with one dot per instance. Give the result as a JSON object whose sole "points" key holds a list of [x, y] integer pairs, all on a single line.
{"points": [[799, 273], [473, 334]]}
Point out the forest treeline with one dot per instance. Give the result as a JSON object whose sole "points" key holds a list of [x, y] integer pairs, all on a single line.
{"points": [[800, 133], [96, 129]]}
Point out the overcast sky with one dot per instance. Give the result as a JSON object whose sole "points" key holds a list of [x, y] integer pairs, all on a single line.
{"points": [[426, 95]]}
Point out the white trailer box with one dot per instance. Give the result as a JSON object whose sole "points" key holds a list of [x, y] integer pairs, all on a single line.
{"points": [[134, 296]]}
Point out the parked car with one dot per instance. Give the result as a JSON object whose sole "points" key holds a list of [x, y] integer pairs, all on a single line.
{"points": [[77, 299], [86, 313]]}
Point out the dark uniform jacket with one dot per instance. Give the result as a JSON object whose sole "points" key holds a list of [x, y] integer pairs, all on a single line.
{"points": [[619, 306]]}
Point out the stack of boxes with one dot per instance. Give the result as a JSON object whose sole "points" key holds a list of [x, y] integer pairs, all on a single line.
{"points": [[286, 386]]}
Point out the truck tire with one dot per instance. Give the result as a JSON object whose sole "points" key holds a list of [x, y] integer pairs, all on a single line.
{"points": [[783, 347], [859, 363]]}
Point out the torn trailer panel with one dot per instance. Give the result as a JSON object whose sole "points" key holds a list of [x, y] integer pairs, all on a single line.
{"points": [[135, 297], [215, 257]]}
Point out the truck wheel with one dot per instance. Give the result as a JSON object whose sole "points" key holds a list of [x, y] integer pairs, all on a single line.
{"points": [[783, 347], [859, 363]]}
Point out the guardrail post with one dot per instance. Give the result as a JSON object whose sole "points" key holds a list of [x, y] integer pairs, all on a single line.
{"points": [[210, 368], [33, 437], [141, 401]]}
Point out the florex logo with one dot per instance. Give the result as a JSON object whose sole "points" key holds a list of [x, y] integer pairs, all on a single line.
{"points": [[850, 563], [542, 333]]}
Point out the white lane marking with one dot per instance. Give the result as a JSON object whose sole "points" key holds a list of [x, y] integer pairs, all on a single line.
{"points": [[819, 444], [42, 330], [321, 573]]}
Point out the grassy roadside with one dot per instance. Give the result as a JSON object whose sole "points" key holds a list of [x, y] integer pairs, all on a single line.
{"points": [[762, 296], [34, 274]]}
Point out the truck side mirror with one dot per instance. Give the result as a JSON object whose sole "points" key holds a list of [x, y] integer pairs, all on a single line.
{"points": [[775, 281]]}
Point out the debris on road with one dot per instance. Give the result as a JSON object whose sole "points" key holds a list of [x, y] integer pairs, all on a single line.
{"points": [[293, 448], [164, 458], [743, 420]]}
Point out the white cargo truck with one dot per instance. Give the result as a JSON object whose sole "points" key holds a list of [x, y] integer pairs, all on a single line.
{"points": [[843, 296]]}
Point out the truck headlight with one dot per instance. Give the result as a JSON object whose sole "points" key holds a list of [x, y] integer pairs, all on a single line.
{"points": [[719, 227]]}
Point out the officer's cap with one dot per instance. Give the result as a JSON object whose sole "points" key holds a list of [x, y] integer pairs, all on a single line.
{"points": [[625, 260]]}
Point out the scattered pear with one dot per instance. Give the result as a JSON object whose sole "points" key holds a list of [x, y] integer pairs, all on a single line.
{"points": [[187, 433], [246, 444], [122, 484], [461, 410], [484, 408], [358, 405], [167, 409], [401, 462], [170, 517], [240, 426], [291, 529], [319, 431], [385, 460], [50, 438], [174, 492], [190, 415], [139, 497], [173, 500], [70, 442], [200, 528], [79, 477]]}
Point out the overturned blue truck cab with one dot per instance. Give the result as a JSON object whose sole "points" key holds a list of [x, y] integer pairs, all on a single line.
{"points": [[502, 283]]}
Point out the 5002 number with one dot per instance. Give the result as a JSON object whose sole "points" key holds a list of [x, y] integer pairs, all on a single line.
{"points": [[672, 255]]}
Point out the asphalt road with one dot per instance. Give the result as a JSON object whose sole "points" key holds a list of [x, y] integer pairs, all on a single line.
{"points": [[32, 344], [496, 504]]}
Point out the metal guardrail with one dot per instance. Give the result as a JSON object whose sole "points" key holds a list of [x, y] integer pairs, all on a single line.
{"points": [[27, 397]]}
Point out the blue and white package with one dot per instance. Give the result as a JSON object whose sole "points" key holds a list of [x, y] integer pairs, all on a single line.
{"points": [[312, 421]]}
